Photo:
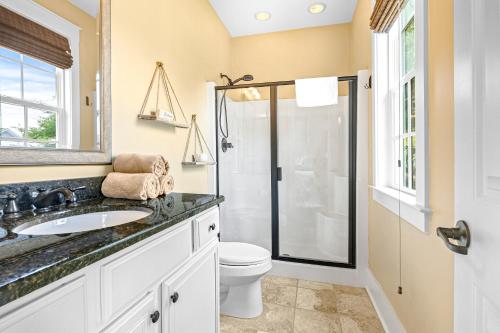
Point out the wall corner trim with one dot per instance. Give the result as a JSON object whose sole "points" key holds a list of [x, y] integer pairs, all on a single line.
{"points": [[383, 306]]}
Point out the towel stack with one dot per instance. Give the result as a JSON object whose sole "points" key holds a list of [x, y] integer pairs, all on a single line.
{"points": [[138, 177]]}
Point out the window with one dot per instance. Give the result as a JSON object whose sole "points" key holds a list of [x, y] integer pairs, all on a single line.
{"points": [[31, 101], [400, 116], [405, 133], [39, 102]]}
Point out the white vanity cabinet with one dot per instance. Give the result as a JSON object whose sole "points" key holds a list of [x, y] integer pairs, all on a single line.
{"points": [[168, 283]]}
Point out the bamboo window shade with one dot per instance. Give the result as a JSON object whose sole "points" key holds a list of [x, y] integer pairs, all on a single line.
{"points": [[30, 38], [385, 14]]}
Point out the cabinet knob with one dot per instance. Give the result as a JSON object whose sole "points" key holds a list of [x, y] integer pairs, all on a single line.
{"points": [[212, 227], [155, 316], [175, 297]]}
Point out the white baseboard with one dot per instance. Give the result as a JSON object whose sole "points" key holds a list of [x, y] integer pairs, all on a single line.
{"points": [[382, 305], [336, 275]]}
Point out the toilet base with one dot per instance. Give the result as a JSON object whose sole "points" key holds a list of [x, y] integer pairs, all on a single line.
{"points": [[243, 301]]}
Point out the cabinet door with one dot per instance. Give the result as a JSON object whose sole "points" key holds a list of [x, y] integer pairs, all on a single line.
{"points": [[142, 318], [190, 297], [62, 310]]}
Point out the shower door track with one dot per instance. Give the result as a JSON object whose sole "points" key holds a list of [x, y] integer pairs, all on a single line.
{"points": [[273, 86]]}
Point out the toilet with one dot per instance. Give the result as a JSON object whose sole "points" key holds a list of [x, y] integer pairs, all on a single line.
{"points": [[242, 266]]}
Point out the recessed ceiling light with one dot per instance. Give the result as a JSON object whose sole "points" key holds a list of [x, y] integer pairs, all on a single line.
{"points": [[317, 8], [262, 16]]}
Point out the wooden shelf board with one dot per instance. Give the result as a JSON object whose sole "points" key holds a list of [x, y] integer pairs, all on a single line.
{"points": [[167, 122], [198, 163]]}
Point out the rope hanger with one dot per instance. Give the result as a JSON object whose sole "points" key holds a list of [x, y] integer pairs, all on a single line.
{"points": [[164, 85]]}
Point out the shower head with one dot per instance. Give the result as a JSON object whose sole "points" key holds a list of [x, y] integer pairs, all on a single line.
{"points": [[246, 77]]}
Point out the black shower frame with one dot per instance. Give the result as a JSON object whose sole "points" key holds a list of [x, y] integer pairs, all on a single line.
{"points": [[353, 105]]}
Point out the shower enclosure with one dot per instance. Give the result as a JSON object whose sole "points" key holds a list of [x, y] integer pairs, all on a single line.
{"points": [[287, 172]]}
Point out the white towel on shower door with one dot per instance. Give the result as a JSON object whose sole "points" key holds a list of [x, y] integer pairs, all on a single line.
{"points": [[319, 91]]}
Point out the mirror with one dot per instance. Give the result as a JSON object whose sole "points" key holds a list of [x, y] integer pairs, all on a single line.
{"points": [[54, 87]]}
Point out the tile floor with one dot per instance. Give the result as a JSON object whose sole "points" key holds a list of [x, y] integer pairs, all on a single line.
{"points": [[298, 306]]}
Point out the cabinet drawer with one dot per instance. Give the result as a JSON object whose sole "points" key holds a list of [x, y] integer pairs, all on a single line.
{"points": [[127, 278], [205, 227], [60, 311]]}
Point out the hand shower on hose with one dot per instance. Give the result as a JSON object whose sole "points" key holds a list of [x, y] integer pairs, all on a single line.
{"points": [[223, 110]]}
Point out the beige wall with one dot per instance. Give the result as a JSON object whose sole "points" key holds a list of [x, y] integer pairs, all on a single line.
{"points": [[361, 37], [293, 54], [338, 50], [89, 57], [427, 267], [143, 32]]}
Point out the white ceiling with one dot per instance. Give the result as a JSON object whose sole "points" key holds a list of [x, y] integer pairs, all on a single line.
{"points": [[239, 15], [90, 7]]}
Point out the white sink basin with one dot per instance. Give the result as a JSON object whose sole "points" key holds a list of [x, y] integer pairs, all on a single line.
{"points": [[83, 222]]}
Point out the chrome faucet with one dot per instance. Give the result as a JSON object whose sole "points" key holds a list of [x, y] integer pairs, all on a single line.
{"points": [[10, 209], [45, 199]]}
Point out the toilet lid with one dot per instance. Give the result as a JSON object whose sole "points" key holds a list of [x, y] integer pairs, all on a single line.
{"points": [[242, 254]]}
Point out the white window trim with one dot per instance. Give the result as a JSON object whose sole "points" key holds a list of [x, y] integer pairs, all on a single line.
{"points": [[412, 208], [43, 16]]}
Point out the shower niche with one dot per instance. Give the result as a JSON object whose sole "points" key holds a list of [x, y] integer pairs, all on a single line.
{"points": [[289, 177]]}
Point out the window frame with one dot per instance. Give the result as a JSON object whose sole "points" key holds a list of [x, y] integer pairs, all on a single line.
{"points": [[412, 206], [70, 119]]}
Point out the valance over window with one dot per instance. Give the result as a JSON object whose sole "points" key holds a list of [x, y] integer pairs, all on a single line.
{"points": [[385, 14], [27, 37]]}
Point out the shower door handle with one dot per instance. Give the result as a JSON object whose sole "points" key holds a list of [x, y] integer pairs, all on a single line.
{"points": [[279, 174]]}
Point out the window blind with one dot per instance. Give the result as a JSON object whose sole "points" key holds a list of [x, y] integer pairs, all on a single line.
{"points": [[27, 37], [385, 14]]}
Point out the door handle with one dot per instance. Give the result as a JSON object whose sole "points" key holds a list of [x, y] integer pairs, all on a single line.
{"points": [[460, 233], [279, 174]]}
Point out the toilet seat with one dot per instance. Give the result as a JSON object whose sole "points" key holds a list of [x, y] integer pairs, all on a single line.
{"points": [[242, 254]]}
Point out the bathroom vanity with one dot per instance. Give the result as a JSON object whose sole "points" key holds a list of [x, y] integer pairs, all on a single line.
{"points": [[157, 274]]}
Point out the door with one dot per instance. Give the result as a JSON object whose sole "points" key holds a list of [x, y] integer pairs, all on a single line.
{"points": [[313, 165], [477, 163], [190, 297], [144, 317]]}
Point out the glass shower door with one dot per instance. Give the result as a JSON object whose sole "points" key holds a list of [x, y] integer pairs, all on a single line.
{"points": [[313, 172]]}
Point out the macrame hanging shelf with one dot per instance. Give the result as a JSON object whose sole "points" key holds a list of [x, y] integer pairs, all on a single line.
{"points": [[197, 151], [161, 85]]}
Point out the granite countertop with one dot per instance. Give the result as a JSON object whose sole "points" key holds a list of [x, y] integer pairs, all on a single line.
{"points": [[31, 262]]}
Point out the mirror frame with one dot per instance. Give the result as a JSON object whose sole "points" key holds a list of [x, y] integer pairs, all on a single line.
{"points": [[30, 156]]}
